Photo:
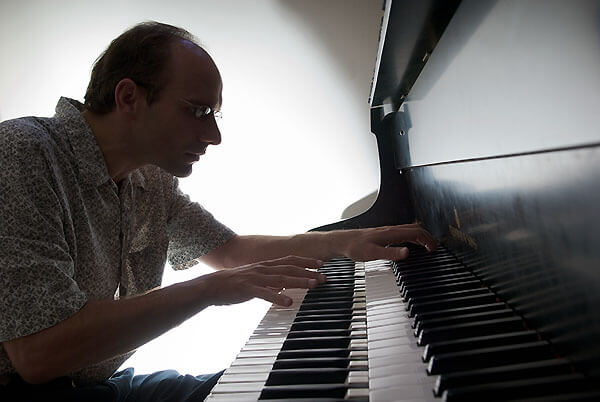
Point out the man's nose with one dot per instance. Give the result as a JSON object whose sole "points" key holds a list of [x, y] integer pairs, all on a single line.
{"points": [[212, 135]]}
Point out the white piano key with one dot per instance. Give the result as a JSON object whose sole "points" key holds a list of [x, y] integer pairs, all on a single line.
{"points": [[357, 393], [234, 397], [255, 368], [396, 370], [247, 361], [389, 343], [234, 387], [402, 393], [358, 377], [245, 377], [385, 332], [359, 364], [393, 380], [258, 353]]}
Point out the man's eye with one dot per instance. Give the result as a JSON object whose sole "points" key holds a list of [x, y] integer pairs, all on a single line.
{"points": [[201, 111]]}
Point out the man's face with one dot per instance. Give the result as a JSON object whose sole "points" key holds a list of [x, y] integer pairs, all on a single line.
{"points": [[173, 131]]}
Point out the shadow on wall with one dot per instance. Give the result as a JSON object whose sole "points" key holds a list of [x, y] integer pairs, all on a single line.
{"points": [[348, 30], [360, 206]]}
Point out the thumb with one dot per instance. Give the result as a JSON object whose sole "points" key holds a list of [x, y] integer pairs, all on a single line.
{"points": [[377, 252], [396, 253]]}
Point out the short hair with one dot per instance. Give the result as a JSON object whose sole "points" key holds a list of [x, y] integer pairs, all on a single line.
{"points": [[140, 54]]}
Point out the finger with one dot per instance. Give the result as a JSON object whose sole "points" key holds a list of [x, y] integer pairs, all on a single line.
{"points": [[297, 261], [271, 296], [287, 282], [291, 270], [425, 239], [405, 225], [416, 235], [377, 252]]}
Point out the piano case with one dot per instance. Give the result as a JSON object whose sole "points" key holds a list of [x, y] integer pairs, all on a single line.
{"points": [[486, 118]]}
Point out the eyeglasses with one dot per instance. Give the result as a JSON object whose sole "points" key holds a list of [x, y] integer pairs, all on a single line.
{"points": [[200, 111]]}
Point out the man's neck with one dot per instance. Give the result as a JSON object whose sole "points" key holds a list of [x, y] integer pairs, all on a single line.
{"points": [[115, 144]]}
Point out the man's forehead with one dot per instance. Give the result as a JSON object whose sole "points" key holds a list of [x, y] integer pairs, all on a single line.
{"points": [[193, 71]]}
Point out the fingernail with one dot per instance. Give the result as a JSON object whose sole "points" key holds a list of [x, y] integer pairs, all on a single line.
{"points": [[287, 302]]}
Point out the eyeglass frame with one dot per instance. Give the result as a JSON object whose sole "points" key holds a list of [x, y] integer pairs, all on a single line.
{"points": [[207, 110]]}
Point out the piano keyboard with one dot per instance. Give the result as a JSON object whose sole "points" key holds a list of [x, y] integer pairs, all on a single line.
{"points": [[425, 329]]}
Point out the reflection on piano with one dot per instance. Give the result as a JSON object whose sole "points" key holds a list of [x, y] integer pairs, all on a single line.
{"points": [[485, 114]]}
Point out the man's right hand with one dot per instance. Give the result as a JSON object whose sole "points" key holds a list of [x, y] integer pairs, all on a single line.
{"points": [[263, 279], [107, 328]]}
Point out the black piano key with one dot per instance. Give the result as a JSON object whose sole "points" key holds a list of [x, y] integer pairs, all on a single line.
{"points": [[335, 300], [313, 343], [330, 294], [308, 312], [414, 260], [443, 280], [312, 362], [489, 357], [322, 324], [316, 317], [444, 288], [313, 353], [541, 368], [325, 304], [533, 387], [440, 278], [425, 274], [427, 263], [307, 376], [462, 318], [460, 310], [477, 290], [318, 332], [423, 263], [471, 329], [345, 300], [413, 276], [477, 342], [332, 284], [304, 391], [332, 278], [454, 302]]}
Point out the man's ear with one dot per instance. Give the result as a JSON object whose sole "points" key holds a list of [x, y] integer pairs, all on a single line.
{"points": [[128, 96]]}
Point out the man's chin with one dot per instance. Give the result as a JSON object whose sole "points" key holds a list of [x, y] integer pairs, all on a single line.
{"points": [[180, 171]]}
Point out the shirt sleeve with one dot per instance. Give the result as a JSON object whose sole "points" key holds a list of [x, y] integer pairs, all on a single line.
{"points": [[193, 231], [37, 289]]}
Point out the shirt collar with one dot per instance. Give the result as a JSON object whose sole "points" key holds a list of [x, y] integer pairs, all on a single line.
{"points": [[90, 159]]}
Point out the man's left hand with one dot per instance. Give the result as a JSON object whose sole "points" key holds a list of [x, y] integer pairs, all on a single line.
{"points": [[374, 243]]}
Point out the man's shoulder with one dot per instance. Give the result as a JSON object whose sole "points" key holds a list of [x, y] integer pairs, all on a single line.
{"points": [[27, 133], [28, 142]]}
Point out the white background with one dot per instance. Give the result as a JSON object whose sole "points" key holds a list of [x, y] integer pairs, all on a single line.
{"points": [[296, 147]]}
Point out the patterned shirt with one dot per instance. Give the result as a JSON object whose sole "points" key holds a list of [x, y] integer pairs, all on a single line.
{"points": [[70, 234]]}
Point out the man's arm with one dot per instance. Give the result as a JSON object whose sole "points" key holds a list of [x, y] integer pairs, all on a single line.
{"points": [[108, 328], [357, 244]]}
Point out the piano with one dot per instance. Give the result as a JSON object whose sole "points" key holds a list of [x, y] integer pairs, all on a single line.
{"points": [[487, 124]]}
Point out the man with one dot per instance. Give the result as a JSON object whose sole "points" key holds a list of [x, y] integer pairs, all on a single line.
{"points": [[91, 210]]}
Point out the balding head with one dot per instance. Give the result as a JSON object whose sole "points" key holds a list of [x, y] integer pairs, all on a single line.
{"points": [[141, 54]]}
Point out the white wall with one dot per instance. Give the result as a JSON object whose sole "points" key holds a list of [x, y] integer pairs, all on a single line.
{"points": [[296, 143]]}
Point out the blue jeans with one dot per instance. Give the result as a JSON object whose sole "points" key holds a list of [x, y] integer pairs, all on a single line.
{"points": [[163, 386]]}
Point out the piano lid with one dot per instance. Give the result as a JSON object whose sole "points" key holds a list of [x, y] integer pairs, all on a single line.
{"points": [[410, 31]]}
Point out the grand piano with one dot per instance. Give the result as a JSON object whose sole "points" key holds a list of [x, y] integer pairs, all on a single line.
{"points": [[486, 115]]}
